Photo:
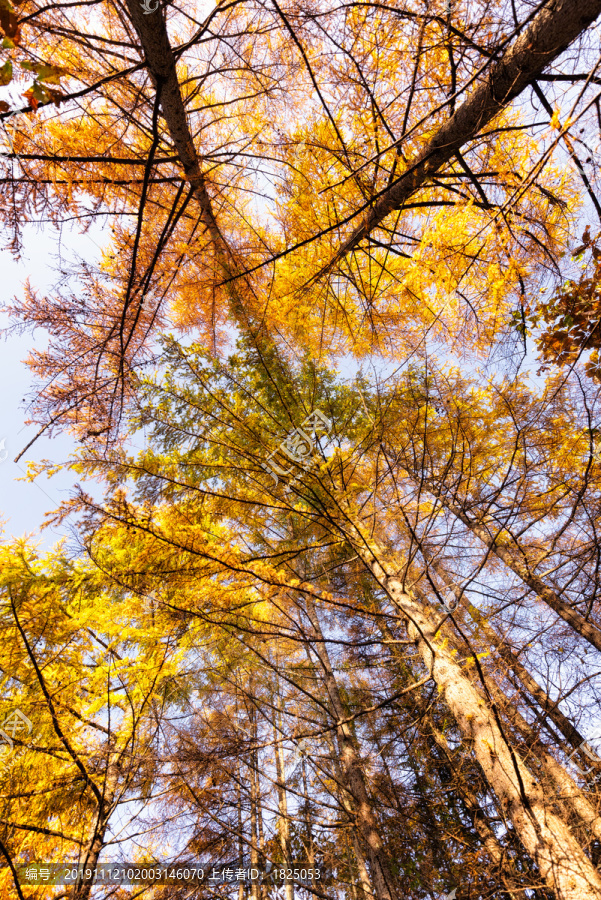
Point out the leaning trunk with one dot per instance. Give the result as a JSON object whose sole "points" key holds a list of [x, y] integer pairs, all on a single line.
{"points": [[560, 859]]}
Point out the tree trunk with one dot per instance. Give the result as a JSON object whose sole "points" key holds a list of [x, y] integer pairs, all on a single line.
{"points": [[563, 785], [352, 773], [307, 821], [551, 31], [96, 845], [463, 790], [283, 824], [160, 62], [549, 707], [240, 835], [367, 889], [254, 809], [82, 891], [561, 861]]}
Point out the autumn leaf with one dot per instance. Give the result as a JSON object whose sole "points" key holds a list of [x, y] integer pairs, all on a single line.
{"points": [[6, 72], [8, 21], [555, 120], [45, 72], [38, 93]]}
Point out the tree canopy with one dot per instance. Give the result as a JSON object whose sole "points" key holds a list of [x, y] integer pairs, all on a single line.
{"points": [[334, 606]]}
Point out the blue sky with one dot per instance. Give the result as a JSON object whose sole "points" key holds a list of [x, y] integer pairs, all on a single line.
{"points": [[23, 504]]}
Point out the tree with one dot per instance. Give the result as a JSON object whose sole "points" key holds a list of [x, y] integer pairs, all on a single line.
{"points": [[191, 199], [331, 507], [67, 667], [279, 576]]}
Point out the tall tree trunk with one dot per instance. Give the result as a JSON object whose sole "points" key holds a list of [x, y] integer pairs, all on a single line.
{"points": [[91, 856], [160, 62], [348, 803], [283, 823], [477, 814], [564, 787], [561, 860], [240, 834], [254, 807], [307, 820]]}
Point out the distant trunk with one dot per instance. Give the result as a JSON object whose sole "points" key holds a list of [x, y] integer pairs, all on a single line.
{"points": [[367, 890], [240, 836], [283, 823], [479, 821], [364, 879], [352, 769], [306, 814], [254, 809]]}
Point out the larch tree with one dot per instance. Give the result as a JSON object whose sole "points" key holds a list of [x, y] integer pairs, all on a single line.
{"points": [[345, 619]]}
